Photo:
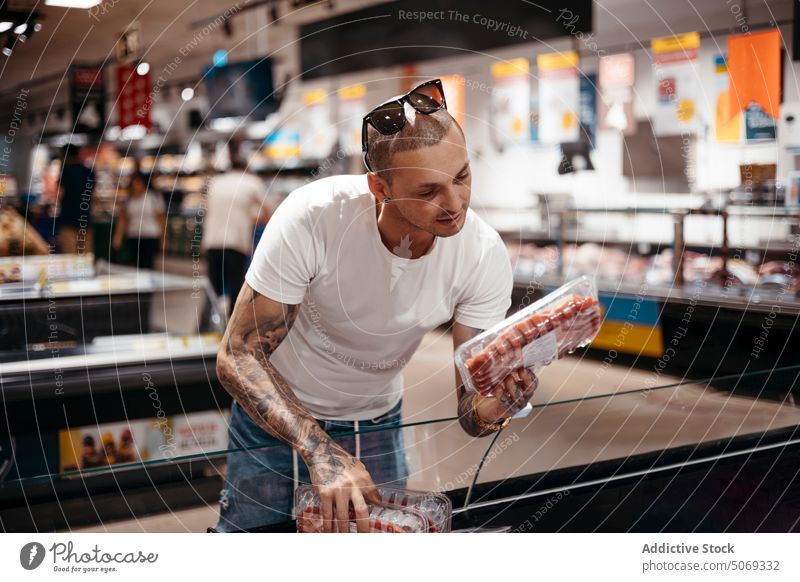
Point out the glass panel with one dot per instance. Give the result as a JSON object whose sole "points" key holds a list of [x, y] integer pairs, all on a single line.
{"points": [[580, 416]]}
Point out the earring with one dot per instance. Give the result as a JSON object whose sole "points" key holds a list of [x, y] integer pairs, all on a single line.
{"points": [[386, 200]]}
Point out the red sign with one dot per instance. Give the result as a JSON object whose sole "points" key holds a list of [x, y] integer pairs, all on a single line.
{"points": [[133, 97]]}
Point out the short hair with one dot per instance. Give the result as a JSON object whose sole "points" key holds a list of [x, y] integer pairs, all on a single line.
{"points": [[71, 151], [141, 176], [427, 130]]}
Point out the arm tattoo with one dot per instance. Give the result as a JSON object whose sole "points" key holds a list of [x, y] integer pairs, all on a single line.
{"points": [[256, 329], [465, 417]]}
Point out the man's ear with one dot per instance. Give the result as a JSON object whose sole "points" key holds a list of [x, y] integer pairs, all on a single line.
{"points": [[379, 187]]}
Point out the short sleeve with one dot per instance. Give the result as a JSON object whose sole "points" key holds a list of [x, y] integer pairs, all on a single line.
{"points": [[158, 202], [257, 197], [487, 296], [285, 259]]}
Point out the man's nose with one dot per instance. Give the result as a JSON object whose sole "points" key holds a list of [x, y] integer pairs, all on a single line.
{"points": [[454, 200]]}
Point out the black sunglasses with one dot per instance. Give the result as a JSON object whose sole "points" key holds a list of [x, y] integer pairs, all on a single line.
{"points": [[389, 118]]}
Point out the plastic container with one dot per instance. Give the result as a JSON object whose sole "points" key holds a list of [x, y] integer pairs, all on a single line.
{"points": [[401, 511], [548, 329]]}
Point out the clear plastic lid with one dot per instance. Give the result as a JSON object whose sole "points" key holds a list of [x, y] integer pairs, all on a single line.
{"points": [[400, 511], [548, 329]]}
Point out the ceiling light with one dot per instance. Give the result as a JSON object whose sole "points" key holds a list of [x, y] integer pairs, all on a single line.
{"points": [[73, 3], [133, 132], [5, 25], [29, 31], [187, 94], [226, 124], [9, 48], [21, 28], [220, 58], [143, 68]]}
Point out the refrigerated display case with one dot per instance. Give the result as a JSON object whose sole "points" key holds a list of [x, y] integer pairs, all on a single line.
{"points": [[606, 448], [102, 355], [685, 291]]}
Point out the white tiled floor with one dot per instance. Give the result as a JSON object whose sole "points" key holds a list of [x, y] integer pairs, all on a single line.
{"points": [[561, 432]]}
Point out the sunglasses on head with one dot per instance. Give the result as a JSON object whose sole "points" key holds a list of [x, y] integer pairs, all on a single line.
{"points": [[389, 118]]}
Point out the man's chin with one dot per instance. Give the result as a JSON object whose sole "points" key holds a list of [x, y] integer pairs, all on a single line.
{"points": [[445, 230]]}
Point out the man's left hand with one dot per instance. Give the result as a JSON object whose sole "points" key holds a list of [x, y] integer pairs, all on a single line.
{"points": [[509, 396]]}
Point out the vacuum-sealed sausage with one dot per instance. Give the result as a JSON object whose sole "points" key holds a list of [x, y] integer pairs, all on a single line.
{"points": [[550, 328], [400, 511]]}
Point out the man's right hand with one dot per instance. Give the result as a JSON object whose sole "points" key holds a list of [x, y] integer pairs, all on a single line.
{"points": [[341, 480]]}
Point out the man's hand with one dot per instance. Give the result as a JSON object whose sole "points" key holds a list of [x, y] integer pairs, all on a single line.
{"points": [[341, 481], [508, 397]]}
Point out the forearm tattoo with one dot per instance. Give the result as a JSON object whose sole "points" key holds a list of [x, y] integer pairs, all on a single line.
{"points": [[257, 327]]}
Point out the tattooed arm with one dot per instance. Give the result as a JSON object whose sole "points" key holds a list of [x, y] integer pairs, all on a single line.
{"points": [[510, 396], [257, 327]]}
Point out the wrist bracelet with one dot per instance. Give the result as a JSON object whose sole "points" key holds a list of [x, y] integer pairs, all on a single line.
{"points": [[490, 426]]}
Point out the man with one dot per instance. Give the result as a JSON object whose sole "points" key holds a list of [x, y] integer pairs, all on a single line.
{"points": [[74, 222], [235, 205], [351, 273]]}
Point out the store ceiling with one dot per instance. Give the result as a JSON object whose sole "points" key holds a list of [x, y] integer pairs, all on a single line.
{"points": [[70, 36]]}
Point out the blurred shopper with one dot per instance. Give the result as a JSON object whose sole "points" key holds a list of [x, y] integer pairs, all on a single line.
{"points": [[143, 222], [235, 205], [74, 222]]}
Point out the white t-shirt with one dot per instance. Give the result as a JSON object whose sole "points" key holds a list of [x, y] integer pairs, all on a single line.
{"points": [[143, 215], [364, 309], [234, 202]]}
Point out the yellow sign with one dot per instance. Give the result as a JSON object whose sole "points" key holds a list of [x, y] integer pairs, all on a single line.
{"points": [[552, 61], [671, 44], [510, 68], [314, 97], [353, 91], [642, 340], [685, 110]]}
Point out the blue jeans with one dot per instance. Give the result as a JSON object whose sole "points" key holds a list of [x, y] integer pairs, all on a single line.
{"points": [[259, 484]]}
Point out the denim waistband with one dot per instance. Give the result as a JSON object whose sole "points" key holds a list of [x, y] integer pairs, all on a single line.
{"points": [[246, 432]]}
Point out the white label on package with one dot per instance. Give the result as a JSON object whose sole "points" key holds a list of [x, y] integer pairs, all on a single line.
{"points": [[540, 351]]}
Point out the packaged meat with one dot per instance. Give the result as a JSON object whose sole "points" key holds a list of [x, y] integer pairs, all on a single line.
{"points": [[400, 511], [546, 330]]}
